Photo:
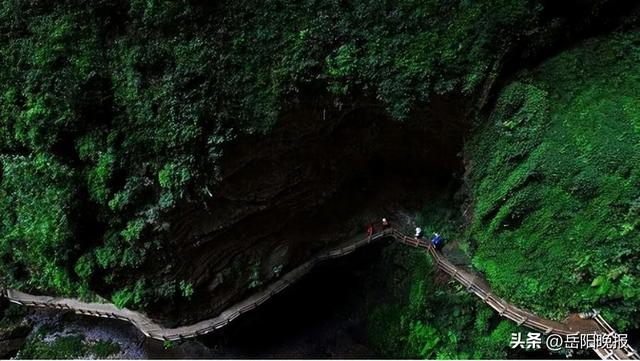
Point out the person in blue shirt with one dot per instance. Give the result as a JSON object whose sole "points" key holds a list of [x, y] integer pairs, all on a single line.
{"points": [[436, 241]]}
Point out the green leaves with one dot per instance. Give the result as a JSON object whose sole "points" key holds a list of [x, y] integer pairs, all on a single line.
{"points": [[186, 289], [424, 338], [100, 176], [131, 295], [421, 317], [555, 177], [38, 217], [84, 267], [114, 113], [598, 281], [341, 67], [134, 230]]}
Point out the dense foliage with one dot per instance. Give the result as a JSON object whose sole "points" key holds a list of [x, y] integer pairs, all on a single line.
{"points": [[555, 174], [427, 319], [113, 112], [429, 316]]}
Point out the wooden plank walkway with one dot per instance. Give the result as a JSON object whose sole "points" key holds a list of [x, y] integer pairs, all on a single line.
{"points": [[473, 283], [480, 288], [154, 330]]}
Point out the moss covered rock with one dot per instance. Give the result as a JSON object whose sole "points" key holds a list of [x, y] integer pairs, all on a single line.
{"points": [[555, 177]]}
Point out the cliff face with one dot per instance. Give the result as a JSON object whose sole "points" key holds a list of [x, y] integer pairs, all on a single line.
{"points": [[554, 176], [312, 183], [174, 157]]}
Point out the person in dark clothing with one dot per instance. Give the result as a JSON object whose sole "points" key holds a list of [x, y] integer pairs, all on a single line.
{"points": [[385, 224]]}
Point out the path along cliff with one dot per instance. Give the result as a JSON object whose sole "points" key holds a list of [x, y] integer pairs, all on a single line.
{"points": [[572, 325]]}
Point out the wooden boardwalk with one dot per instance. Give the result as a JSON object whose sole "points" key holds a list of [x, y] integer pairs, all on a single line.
{"points": [[481, 289], [473, 283]]}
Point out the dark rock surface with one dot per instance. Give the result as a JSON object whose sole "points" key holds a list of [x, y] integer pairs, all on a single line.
{"points": [[311, 184], [14, 328]]}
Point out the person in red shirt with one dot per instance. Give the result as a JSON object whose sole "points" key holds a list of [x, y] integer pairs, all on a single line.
{"points": [[370, 230]]}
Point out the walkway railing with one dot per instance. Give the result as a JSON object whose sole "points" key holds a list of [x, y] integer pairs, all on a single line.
{"points": [[156, 331], [521, 317], [473, 284]]}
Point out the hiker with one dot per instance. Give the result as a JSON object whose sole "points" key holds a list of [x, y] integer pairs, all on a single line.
{"points": [[436, 241], [419, 233], [385, 224], [370, 230]]}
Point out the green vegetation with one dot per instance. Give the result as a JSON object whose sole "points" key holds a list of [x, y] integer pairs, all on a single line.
{"points": [[66, 347], [104, 349], [254, 276], [429, 316], [555, 175], [114, 113], [186, 289]]}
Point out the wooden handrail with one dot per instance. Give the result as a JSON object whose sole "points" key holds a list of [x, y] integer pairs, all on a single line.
{"points": [[154, 330]]}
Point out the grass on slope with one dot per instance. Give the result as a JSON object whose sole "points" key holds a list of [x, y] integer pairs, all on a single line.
{"points": [[555, 173], [424, 315]]}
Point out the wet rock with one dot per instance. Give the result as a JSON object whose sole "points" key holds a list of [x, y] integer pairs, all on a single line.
{"points": [[9, 348], [14, 328], [314, 183]]}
